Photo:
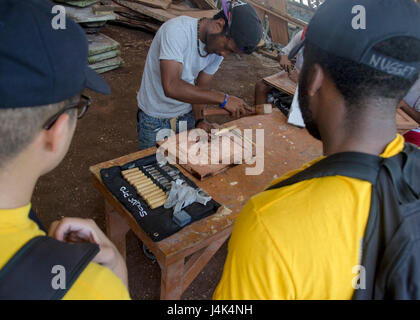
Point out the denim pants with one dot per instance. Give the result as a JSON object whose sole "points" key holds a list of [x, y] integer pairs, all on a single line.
{"points": [[148, 127]]}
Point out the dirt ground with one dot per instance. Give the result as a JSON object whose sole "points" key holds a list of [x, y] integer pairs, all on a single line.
{"points": [[108, 131]]}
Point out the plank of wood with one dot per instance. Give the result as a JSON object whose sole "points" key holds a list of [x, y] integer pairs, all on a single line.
{"points": [[162, 4], [100, 43], [158, 14], [278, 28], [78, 3], [86, 15], [165, 15], [195, 13], [404, 121], [205, 4], [282, 82], [105, 64], [285, 17]]}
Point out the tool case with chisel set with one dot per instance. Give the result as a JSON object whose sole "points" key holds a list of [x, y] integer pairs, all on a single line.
{"points": [[142, 187]]}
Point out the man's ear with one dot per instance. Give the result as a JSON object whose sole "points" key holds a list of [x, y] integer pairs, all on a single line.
{"points": [[56, 135], [316, 79], [218, 25]]}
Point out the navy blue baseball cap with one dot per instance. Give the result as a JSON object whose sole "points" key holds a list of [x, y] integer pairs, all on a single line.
{"points": [[336, 28], [40, 64]]}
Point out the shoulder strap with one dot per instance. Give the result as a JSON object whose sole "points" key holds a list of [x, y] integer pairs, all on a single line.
{"points": [[357, 165], [29, 274]]}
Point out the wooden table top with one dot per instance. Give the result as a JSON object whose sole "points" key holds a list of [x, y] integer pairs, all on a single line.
{"points": [[286, 148]]}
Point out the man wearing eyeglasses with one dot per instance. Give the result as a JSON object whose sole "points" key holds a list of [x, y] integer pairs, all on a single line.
{"points": [[40, 102], [183, 57]]}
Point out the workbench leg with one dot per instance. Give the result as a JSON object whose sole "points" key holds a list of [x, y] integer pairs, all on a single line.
{"points": [[116, 228], [172, 279]]}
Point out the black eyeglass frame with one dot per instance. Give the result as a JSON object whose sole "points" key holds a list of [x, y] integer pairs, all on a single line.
{"points": [[83, 105]]}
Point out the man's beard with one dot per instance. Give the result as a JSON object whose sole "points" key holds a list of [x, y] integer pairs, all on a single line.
{"points": [[310, 124], [210, 39]]}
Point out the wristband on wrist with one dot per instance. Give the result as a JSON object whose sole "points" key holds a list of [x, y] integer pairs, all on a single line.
{"points": [[224, 101]]}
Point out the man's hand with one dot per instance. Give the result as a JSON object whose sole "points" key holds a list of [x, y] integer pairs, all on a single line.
{"points": [[294, 75], [76, 230], [207, 126], [285, 62], [237, 107]]}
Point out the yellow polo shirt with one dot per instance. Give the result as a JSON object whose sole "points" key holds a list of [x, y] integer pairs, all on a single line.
{"points": [[300, 241], [95, 282]]}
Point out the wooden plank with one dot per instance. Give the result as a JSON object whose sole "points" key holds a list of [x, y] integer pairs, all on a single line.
{"points": [[278, 28], [162, 4], [165, 15], [114, 62], [195, 13], [103, 56], [404, 121], [282, 82], [78, 3], [86, 15], [285, 17], [205, 4], [158, 14], [100, 43]]}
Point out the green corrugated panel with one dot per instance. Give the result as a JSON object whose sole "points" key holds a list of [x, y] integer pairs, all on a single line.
{"points": [[103, 56], [78, 3], [100, 43]]}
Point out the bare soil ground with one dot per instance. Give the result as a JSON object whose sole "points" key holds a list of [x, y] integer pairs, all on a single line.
{"points": [[108, 131]]}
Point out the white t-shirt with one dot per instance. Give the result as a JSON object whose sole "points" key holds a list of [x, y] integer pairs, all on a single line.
{"points": [[413, 98], [175, 40]]}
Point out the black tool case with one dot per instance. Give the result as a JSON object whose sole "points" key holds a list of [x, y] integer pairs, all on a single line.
{"points": [[157, 223]]}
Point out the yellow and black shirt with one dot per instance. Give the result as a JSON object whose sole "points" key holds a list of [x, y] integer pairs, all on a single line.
{"points": [[300, 241], [95, 282]]}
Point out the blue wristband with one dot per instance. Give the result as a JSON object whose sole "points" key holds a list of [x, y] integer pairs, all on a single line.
{"points": [[224, 101]]}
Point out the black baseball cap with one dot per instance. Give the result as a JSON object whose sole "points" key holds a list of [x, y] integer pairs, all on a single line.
{"points": [[336, 28], [244, 25], [40, 64]]}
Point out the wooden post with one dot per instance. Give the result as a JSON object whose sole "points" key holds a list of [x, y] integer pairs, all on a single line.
{"points": [[116, 228], [172, 279]]}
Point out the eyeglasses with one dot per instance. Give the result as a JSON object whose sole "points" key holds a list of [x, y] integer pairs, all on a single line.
{"points": [[82, 106]]}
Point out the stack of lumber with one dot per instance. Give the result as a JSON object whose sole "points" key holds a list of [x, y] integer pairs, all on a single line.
{"points": [[148, 15], [81, 11], [104, 53]]}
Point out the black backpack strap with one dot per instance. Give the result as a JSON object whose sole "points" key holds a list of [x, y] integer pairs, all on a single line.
{"points": [[357, 165], [28, 274], [33, 216]]}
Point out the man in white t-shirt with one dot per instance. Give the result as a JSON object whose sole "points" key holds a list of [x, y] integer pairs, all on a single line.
{"points": [[183, 57], [411, 105]]}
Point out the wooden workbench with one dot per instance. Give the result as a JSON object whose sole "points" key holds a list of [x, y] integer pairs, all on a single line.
{"points": [[286, 148]]}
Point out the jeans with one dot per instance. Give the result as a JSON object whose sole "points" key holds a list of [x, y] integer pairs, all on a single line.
{"points": [[148, 127]]}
